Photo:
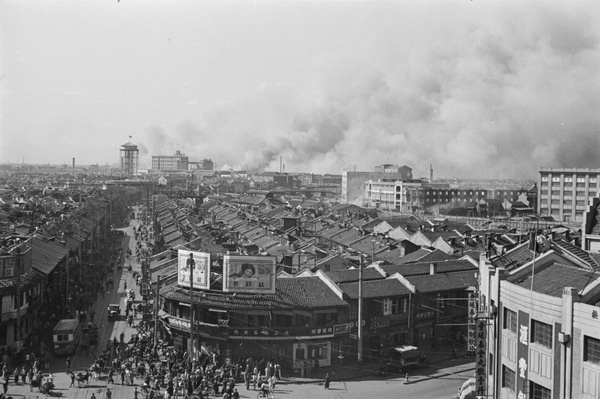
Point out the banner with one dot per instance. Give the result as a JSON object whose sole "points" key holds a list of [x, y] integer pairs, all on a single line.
{"points": [[523, 355], [249, 274], [199, 263], [471, 324]]}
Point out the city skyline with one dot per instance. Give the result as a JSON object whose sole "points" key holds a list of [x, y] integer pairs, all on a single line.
{"points": [[477, 90]]}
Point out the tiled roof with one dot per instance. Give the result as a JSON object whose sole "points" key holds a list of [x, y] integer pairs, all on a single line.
{"points": [[291, 293], [376, 289], [443, 281], [350, 275], [554, 278], [47, 255], [422, 268], [29, 277], [413, 256]]}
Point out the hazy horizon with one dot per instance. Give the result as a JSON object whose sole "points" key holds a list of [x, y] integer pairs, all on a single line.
{"points": [[491, 89]]}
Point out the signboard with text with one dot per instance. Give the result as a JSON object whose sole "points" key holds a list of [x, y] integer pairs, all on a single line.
{"points": [[249, 274], [522, 354], [471, 324], [481, 358], [196, 264]]}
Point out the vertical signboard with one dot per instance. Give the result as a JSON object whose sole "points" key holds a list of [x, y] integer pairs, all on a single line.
{"points": [[471, 324], [249, 274], [481, 358], [523, 355], [199, 262]]}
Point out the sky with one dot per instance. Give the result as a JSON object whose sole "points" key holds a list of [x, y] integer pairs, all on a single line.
{"points": [[477, 89]]}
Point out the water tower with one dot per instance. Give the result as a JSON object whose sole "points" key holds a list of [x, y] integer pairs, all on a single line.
{"points": [[129, 159]]}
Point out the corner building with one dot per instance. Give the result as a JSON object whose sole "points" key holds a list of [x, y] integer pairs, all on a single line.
{"points": [[546, 317], [303, 321]]}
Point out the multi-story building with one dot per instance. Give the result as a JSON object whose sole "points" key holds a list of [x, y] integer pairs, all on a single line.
{"points": [[539, 320], [564, 193], [129, 159], [353, 183], [170, 163], [205, 164], [389, 195]]}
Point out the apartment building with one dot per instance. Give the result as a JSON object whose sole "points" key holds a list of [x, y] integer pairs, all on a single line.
{"points": [[353, 183], [564, 193]]}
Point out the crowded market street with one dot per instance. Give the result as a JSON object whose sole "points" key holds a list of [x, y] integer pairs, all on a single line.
{"points": [[348, 382]]}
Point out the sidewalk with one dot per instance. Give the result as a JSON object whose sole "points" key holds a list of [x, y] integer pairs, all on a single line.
{"points": [[370, 370]]}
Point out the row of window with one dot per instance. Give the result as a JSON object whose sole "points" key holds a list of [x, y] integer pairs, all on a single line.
{"points": [[541, 333], [556, 179], [530, 388]]}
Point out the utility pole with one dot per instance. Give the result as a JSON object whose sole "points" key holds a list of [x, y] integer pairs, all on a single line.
{"points": [[18, 295], [360, 310], [156, 305], [191, 267]]}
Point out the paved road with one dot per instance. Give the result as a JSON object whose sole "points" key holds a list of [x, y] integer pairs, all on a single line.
{"points": [[439, 382]]}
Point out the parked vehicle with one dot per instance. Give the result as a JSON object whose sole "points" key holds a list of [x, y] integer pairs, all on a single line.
{"points": [[114, 311], [65, 336], [402, 359]]}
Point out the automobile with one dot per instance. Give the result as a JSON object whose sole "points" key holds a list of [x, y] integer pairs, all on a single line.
{"points": [[114, 311], [402, 359]]}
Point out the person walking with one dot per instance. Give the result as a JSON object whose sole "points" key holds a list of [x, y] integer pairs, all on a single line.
{"points": [[122, 377], [68, 364], [72, 380], [327, 381], [16, 375]]}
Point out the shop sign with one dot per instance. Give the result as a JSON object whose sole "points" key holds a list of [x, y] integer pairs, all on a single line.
{"points": [[522, 354], [471, 324], [480, 358], [341, 328], [379, 324], [247, 332], [319, 331]]}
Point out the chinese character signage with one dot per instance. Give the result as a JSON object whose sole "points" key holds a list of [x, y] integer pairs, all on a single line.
{"points": [[481, 358], [249, 274], [471, 344], [522, 354], [196, 264]]}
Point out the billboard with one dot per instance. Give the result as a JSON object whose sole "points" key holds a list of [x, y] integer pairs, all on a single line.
{"points": [[199, 262], [249, 274]]}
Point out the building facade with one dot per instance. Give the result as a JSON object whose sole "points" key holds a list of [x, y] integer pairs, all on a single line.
{"points": [[564, 193], [353, 183], [170, 163], [544, 316]]}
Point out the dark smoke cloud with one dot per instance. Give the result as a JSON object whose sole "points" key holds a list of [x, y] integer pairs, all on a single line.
{"points": [[498, 97]]}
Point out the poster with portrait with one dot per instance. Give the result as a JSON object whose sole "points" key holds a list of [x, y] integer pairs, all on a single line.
{"points": [[249, 274], [199, 262]]}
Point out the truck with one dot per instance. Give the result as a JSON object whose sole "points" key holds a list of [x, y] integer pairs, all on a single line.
{"points": [[65, 336], [402, 359]]}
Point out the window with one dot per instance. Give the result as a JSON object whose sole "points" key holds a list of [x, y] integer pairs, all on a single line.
{"points": [[568, 180], [591, 350], [508, 378], [541, 333], [544, 178], [538, 391], [556, 179], [510, 320]]}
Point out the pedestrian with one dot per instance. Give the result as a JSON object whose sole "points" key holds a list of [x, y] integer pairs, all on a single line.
{"points": [[122, 377], [327, 381], [24, 375], [135, 393], [235, 395], [125, 285], [108, 393], [5, 385], [93, 396], [16, 374], [72, 380], [68, 364]]}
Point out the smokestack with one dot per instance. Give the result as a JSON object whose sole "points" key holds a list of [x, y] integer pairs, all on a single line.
{"points": [[280, 163], [430, 173], [73, 163], [283, 167]]}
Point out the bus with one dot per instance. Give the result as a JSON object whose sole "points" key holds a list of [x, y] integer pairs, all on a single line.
{"points": [[65, 336]]}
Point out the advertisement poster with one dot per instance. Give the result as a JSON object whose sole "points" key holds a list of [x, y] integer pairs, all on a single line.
{"points": [[249, 274], [199, 262]]}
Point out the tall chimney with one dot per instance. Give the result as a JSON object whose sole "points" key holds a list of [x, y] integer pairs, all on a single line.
{"points": [[73, 163], [280, 163], [430, 173]]}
